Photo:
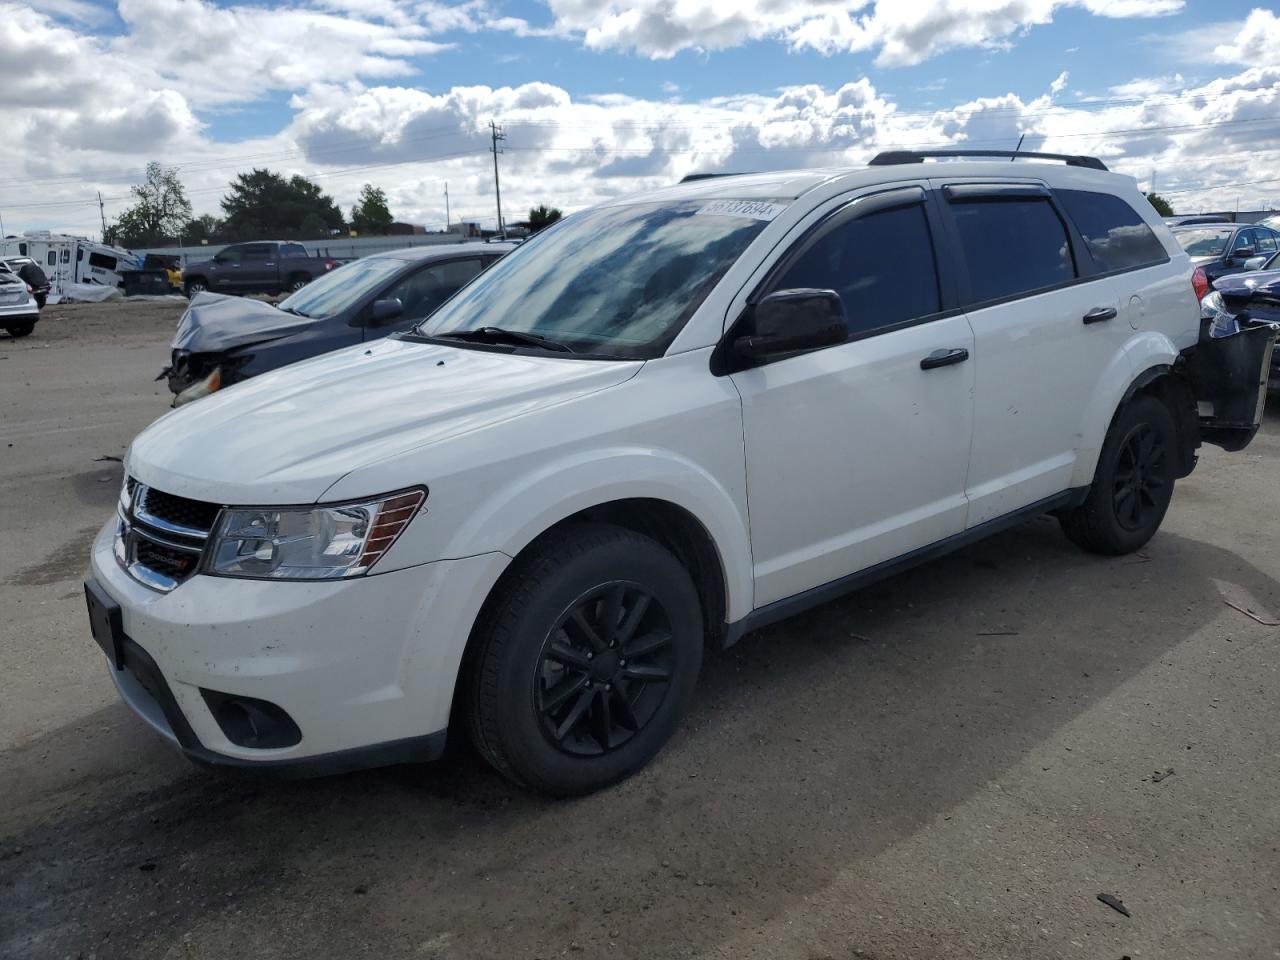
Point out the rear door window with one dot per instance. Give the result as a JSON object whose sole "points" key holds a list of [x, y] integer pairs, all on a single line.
{"points": [[882, 265], [259, 251], [1266, 240], [1117, 237], [1012, 246]]}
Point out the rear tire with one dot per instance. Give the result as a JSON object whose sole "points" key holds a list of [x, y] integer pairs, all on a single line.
{"points": [[584, 661], [21, 329], [297, 283], [1133, 483]]}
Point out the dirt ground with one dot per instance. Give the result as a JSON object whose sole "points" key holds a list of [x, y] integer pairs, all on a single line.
{"points": [[954, 763]]}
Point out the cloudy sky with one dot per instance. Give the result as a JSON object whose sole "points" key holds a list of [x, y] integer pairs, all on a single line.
{"points": [[605, 97]]}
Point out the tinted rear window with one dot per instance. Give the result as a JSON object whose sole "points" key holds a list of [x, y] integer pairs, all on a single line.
{"points": [[1012, 247], [1117, 237]]}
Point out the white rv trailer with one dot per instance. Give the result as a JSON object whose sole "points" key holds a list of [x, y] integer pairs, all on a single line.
{"points": [[68, 259]]}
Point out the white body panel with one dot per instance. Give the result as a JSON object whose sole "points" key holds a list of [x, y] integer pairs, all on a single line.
{"points": [[801, 471]]}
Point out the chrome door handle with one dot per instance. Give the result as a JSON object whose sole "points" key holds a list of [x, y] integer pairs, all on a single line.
{"points": [[1099, 314]]}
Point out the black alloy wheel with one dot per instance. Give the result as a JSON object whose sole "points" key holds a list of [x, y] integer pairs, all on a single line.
{"points": [[1132, 484], [583, 660], [1140, 477], [605, 669]]}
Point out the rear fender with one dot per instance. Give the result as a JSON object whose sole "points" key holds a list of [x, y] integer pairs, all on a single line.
{"points": [[1228, 378]]}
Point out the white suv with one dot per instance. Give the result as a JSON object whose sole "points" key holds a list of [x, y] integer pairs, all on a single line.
{"points": [[662, 422]]}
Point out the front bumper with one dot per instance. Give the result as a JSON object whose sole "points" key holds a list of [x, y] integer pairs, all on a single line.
{"points": [[365, 667]]}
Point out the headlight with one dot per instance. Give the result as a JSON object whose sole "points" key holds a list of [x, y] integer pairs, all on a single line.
{"points": [[1211, 305], [310, 543], [201, 388]]}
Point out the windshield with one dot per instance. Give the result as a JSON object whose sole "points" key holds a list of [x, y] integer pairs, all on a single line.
{"points": [[611, 282], [341, 288], [1203, 241]]}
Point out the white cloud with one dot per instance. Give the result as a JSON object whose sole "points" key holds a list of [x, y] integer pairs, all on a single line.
{"points": [[86, 112], [1257, 41], [901, 33]]}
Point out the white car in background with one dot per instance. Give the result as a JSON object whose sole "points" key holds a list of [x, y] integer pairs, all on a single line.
{"points": [[659, 423], [18, 308]]}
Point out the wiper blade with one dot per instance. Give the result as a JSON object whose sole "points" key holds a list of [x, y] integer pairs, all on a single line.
{"points": [[501, 334], [296, 313]]}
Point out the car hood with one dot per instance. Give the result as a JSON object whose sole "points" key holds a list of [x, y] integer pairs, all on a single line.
{"points": [[1242, 286], [288, 435], [215, 322]]}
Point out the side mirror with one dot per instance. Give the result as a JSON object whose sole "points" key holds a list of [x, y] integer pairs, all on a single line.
{"points": [[789, 321], [1242, 253], [384, 311], [1255, 263]]}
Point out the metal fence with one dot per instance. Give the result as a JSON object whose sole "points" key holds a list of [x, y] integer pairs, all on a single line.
{"points": [[340, 248]]}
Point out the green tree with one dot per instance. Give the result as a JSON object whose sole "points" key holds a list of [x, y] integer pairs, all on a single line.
{"points": [[371, 214], [262, 205], [205, 227], [542, 216], [1161, 204], [161, 211]]}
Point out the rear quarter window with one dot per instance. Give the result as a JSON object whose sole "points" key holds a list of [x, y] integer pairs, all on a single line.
{"points": [[1117, 237]]}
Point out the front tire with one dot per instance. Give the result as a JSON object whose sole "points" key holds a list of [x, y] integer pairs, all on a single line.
{"points": [[21, 329], [584, 661], [194, 287], [1133, 484]]}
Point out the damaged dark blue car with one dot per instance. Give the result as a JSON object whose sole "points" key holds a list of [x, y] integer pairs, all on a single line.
{"points": [[1245, 300], [222, 340]]}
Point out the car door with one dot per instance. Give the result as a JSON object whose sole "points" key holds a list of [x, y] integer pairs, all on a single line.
{"points": [[422, 292], [225, 275], [1043, 337], [856, 453], [259, 269]]}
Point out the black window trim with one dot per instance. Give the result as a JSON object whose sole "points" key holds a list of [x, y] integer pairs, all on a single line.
{"points": [[991, 193], [893, 197], [1078, 234]]}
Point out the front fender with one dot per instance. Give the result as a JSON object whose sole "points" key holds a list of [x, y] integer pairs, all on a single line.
{"points": [[531, 503]]}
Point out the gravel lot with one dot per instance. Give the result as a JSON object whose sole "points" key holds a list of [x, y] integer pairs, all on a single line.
{"points": [[954, 763]]}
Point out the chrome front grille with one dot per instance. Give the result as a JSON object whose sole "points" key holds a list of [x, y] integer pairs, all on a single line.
{"points": [[160, 538]]}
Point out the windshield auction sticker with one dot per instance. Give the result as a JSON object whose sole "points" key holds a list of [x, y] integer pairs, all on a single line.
{"points": [[750, 209]]}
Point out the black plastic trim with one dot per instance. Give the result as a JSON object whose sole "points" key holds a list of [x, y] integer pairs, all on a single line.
{"points": [[894, 157], [816, 596], [976, 192]]}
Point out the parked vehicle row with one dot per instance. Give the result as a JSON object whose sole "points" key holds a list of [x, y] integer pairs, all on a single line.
{"points": [[1218, 250], [660, 423]]}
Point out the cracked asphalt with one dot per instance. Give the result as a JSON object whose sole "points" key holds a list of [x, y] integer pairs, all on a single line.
{"points": [[954, 763]]}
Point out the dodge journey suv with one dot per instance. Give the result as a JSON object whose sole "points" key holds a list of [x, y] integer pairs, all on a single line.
{"points": [[660, 423]]}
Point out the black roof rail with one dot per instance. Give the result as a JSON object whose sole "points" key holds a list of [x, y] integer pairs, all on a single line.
{"points": [[892, 158], [691, 177]]}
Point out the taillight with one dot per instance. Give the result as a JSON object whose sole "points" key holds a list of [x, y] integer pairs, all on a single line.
{"points": [[1199, 283], [330, 264]]}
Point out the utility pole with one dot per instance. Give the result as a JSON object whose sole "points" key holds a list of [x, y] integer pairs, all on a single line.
{"points": [[446, 206], [496, 133], [102, 212]]}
